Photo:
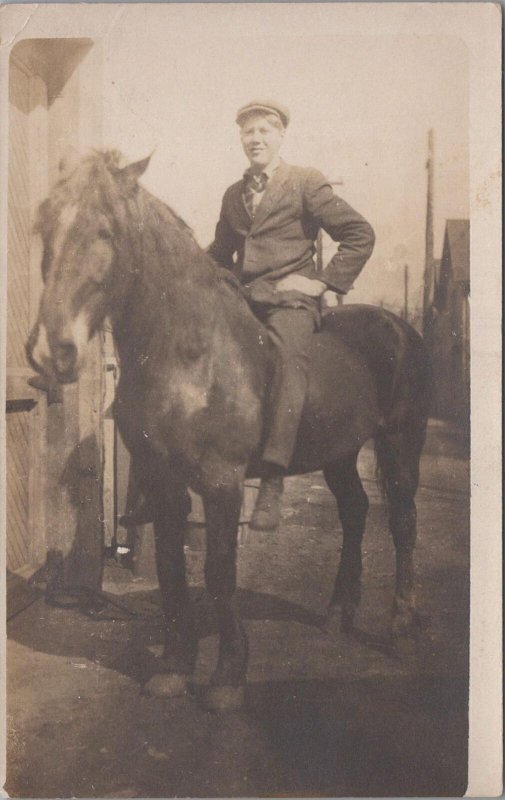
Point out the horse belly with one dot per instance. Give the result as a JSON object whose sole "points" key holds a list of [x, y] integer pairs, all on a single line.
{"points": [[341, 409]]}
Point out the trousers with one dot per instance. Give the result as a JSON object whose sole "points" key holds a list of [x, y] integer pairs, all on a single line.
{"points": [[290, 331]]}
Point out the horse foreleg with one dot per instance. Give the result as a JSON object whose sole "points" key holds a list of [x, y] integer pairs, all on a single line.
{"points": [[222, 511], [180, 647], [352, 501]]}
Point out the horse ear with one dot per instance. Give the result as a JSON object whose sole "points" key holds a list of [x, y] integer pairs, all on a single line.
{"points": [[130, 174]]}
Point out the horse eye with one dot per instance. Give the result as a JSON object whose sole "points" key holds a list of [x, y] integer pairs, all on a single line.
{"points": [[103, 233]]}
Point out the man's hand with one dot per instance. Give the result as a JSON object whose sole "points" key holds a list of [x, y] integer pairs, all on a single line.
{"points": [[298, 283]]}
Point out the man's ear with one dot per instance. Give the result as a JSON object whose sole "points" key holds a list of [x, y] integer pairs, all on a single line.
{"points": [[129, 175]]}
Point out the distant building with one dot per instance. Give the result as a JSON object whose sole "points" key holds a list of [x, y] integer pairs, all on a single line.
{"points": [[448, 329]]}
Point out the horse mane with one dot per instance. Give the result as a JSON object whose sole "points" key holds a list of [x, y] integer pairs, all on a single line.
{"points": [[91, 170], [160, 244]]}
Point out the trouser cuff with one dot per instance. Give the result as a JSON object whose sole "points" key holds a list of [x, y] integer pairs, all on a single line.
{"points": [[277, 458]]}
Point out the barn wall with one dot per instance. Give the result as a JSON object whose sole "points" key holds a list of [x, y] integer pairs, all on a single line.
{"points": [[18, 300], [25, 406], [55, 452], [460, 331], [75, 431]]}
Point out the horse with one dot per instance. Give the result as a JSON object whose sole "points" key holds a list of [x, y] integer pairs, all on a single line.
{"points": [[193, 386]]}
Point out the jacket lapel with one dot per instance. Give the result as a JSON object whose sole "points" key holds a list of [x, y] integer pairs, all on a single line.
{"points": [[273, 192], [238, 209]]}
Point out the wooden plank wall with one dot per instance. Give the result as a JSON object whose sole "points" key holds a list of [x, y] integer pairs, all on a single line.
{"points": [[18, 422], [55, 453], [75, 430], [26, 407]]}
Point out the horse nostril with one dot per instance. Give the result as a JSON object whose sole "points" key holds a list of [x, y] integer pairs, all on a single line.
{"points": [[65, 355]]}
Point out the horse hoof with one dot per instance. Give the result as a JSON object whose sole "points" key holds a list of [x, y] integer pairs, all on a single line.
{"points": [[167, 685], [408, 624], [224, 698], [404, 648], [339, 620]]}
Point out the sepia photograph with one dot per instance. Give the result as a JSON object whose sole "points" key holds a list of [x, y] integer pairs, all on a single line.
{"points": [[251, 270]]}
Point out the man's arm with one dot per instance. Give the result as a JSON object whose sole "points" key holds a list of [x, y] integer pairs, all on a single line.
{"points": [[344, 225], [225, 241]]}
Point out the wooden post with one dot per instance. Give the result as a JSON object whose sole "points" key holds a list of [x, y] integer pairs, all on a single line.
{"points": [[406, 293], [428, 256]]}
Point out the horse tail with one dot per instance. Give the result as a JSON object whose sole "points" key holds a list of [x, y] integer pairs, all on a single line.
{"points": [[400, 436], [410, 393], [398, 361]]}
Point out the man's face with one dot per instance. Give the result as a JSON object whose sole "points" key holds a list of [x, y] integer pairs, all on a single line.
{"points": [[261, 140]]}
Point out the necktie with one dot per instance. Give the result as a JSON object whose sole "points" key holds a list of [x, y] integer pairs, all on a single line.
{"points": [[254, 188]]}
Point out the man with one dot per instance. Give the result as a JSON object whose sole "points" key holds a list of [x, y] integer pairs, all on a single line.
{"points": [[265, 234]]}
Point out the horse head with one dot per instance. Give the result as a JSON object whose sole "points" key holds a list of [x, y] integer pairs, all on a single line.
{"points": [[86, 263]]}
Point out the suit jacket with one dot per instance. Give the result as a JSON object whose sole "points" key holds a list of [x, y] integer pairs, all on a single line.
{"points": [[280, 239]]}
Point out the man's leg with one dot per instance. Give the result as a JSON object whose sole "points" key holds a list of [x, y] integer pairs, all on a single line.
{"points": [[290, 331]]}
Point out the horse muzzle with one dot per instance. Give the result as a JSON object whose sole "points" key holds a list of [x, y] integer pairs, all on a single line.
{"points": [[65, 358], [59, 361]]}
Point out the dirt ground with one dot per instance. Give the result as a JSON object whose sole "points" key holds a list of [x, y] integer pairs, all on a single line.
{"points": [[326, 714]]}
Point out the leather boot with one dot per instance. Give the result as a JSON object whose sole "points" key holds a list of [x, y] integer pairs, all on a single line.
{"points": [[267, 511]]}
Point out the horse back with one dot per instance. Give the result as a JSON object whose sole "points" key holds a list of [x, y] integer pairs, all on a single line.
{"points": [[393, 351], [369, 371]]}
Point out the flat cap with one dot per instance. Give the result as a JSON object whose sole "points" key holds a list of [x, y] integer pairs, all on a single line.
{"points": [[265, 107]]}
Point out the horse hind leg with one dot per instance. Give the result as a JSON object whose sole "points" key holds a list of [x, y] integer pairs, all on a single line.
{"points": [[398, 458], [344, 481]]}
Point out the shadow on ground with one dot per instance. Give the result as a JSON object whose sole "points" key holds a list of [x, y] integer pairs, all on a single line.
{"points": [[355, 734], [325, 715], [124, 635]]}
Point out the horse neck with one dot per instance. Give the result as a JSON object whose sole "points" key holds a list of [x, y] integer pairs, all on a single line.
{"points": [[172, 292]]}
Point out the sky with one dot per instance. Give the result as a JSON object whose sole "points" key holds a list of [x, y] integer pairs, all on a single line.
{"points": [[361, 108]]}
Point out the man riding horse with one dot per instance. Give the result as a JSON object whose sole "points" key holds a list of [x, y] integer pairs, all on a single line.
{"points": [[265, 234], [190, 398]]}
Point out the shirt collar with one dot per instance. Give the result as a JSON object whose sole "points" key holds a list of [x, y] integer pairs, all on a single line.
{"points": [[269, 169]]}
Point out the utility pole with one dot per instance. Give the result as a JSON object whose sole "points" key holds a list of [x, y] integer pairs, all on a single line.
{"points": [[428, 253], [319, 244], [406, 293]]}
